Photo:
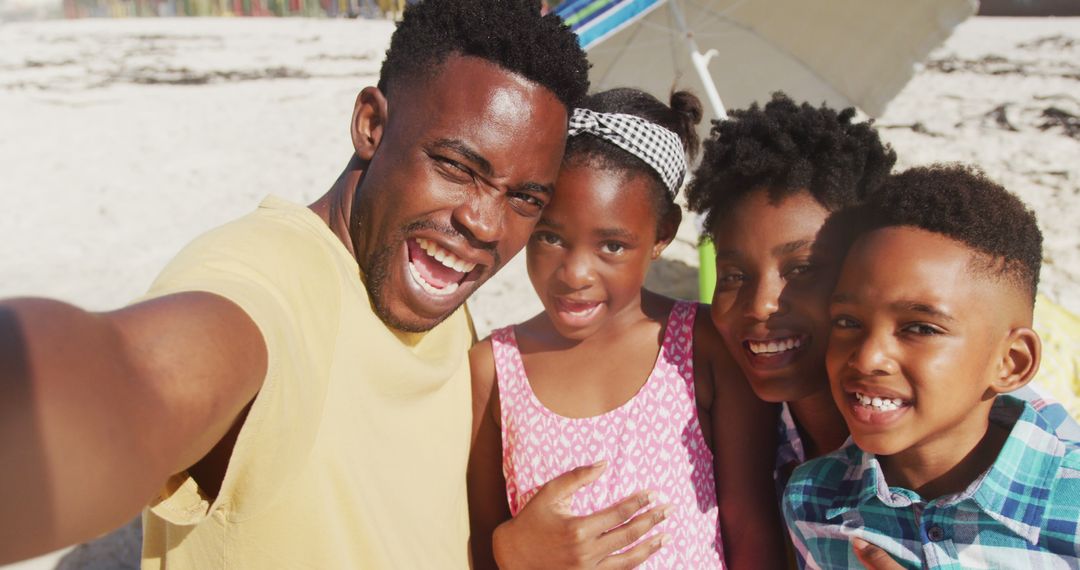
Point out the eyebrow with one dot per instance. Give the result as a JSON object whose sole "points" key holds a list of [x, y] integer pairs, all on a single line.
{"points": [[782, 249], [923, 308], [612, 233], [544, 221], [465, 150], [484, 166], [902, 305]]}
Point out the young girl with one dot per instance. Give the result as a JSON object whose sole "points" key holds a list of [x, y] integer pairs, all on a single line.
{"points": [[613, 372]]}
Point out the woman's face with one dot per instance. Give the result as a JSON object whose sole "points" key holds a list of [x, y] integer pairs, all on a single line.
{"points": [[772, 293]]}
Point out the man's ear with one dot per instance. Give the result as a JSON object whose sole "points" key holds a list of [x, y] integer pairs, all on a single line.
{"points": [[368, 122], [1019, 361], [666, 230]]}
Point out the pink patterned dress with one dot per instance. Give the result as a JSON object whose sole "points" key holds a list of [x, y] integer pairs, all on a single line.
{"points": [[652, 442]]}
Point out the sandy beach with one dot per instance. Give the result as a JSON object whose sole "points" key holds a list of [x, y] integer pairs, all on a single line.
{"points": [[124, 139]]}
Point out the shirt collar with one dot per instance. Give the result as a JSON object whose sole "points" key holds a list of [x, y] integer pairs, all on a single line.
{"points": [[1026, 468]]}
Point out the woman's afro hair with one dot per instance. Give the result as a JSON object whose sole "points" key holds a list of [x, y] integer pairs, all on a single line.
{"points": [[509, 33], [784, 148], [961, 203]]}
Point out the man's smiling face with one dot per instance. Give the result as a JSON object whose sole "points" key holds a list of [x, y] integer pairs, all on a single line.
{"points": [[465, 164]]}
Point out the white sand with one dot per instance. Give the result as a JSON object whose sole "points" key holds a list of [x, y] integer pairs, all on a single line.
{"points": [[124, 139]]}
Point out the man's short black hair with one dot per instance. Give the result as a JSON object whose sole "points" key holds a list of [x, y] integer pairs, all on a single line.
{"points": [[784, 147], [961, 203], [509, 33]]}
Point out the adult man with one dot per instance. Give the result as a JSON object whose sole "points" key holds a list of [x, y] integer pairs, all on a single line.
{"points": [[299, 376]]}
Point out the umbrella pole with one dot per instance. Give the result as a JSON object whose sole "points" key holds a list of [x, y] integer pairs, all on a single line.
{"points": [[706, 251], [700, 60]]}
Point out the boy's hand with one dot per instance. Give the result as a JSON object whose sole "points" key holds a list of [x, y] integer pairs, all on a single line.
{"points": [[545, 534], [872, 557]]}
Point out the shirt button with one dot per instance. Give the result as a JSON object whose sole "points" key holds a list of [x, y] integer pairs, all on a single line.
{"points": [[935, 533]]}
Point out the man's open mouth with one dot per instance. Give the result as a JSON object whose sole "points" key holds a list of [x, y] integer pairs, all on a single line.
{"points": [[438, 271]]}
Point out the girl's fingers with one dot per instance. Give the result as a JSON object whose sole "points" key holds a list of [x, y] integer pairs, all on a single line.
{"points": [[607, 519], [629, 533], [635, 556]]}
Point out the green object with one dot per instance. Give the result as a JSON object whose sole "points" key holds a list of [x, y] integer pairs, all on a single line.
{"points": [[706, 270]]}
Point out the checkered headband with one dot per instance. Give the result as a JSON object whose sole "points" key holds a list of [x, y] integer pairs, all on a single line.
{"points": [[658, 147]]}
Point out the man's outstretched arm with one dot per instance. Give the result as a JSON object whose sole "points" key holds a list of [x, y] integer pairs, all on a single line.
{"points": [[97, 410]]}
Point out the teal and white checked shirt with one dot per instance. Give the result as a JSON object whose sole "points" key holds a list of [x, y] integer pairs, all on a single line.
{"points": [[1024, 512]]}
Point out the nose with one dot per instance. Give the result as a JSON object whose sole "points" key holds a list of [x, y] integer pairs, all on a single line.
{"points": [[871, 355], [576, 271], [764, 299], [480, 217]]}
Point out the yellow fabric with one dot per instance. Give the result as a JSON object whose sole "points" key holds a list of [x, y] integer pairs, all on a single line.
{"points": [[354, 452], [1059, 372]]}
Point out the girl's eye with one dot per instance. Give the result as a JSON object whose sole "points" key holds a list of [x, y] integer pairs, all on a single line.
{"points": [[923, 329], [799, 271], [844, 323], [613, 247], [547, 238]]}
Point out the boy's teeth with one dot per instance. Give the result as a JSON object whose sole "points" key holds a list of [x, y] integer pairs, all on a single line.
{"points": [[879, 404], [445, 257], [772, 346], [427, 286]]}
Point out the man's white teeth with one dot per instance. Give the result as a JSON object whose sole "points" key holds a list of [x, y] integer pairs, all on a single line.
{"points": [[427, 286], [774, 345], [879, 404], [445, 257]]}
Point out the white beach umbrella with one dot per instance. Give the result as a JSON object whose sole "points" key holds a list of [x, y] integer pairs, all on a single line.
{"points": [[843, 52]]}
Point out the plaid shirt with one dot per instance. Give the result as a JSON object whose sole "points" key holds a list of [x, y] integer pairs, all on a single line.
{"points": [[1022, 512], [791, 454]]}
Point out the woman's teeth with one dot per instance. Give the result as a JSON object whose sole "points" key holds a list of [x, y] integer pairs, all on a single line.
{"points": [[445, 257], [879, 404], [773, 346]]}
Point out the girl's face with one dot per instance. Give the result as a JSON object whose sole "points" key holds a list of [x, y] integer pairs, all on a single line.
{"points": [[591, 249], [772, 294]]}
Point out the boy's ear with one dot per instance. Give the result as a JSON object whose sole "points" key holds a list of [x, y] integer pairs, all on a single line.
{"points": [[1019, 361], [666, 230], [368, 122]]}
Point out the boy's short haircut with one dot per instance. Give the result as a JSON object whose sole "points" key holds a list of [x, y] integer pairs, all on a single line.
{"points": [[785, 147], [961, 203], [509, 33]]}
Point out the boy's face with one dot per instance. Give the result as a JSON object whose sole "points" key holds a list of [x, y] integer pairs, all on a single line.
{"points": [[918, 332], [592, 248], [771, 298], [464, 165]]}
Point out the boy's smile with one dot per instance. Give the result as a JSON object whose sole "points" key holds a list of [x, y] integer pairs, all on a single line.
{"points": [[913, 353]]}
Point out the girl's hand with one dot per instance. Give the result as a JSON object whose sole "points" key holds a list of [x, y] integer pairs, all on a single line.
{"points": [[546, 535]]}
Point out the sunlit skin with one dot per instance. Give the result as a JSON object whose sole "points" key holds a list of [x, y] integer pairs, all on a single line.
{"points": [[465, 160], [914, 320], [587, 261], [593, 348], [772, 286]]}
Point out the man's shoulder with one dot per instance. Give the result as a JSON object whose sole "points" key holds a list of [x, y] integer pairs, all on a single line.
{"points": [[276, 225]]}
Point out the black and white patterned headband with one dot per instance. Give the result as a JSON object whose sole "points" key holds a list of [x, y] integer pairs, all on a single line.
{"points": [[658, 147]]}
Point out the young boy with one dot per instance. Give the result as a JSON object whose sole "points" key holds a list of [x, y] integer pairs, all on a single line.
{"points": [[931, 321]]}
